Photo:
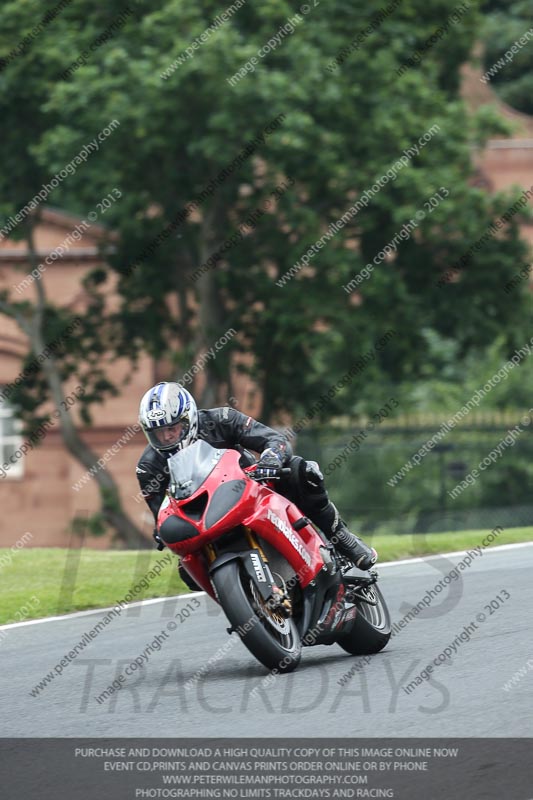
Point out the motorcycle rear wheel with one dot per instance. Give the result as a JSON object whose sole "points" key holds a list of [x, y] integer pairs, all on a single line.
{"points": [[272, 638], [372, 627]]}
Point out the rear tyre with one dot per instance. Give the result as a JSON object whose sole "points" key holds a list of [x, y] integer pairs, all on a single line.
{"points": [[272, 638], [372, 627]]}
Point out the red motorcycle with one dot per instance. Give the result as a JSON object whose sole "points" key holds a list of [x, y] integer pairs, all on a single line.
{"points": [[279, 581]]}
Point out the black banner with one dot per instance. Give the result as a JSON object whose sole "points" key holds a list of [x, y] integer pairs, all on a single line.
{"points": [[132, 769]]}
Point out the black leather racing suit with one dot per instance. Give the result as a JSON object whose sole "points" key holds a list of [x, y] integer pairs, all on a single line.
{"points": [[227, 427]]}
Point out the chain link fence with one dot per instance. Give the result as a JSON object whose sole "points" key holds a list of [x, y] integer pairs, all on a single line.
{"points": [[365, 479]]}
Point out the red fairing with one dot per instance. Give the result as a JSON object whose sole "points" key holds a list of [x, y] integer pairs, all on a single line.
{"points": [[195, 565], [272, 519], [267, 513]]}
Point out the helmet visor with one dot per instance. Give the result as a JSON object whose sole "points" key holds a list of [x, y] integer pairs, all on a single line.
{"points": [[168, 436]]}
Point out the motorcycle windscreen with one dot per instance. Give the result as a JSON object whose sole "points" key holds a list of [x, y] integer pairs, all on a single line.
{"points": [[189, 468]]}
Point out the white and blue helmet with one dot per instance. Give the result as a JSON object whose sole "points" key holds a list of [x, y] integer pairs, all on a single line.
{"points": [[164, 406]]}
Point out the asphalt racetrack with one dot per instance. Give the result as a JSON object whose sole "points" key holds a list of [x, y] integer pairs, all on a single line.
{"points": [[464, 696]]}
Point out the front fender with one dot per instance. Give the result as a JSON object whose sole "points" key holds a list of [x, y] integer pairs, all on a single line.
{"points": [[257, 569]]}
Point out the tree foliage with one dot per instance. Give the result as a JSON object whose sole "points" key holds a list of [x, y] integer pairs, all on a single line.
{"points": [[507, 22], [341, 130]]}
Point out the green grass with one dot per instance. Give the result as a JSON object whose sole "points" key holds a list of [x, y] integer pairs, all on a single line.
{"points": [[392, 547], [73, 580]]}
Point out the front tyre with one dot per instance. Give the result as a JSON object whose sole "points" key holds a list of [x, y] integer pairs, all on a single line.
{"points": [[372, 627], [271, 637]]}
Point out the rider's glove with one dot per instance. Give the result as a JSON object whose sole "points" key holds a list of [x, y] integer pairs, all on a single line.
{"points": [[158, 540], [269, 466]]}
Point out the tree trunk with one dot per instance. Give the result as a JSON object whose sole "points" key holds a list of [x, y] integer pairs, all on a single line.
{"points": [[111, 506], [210, 317]]}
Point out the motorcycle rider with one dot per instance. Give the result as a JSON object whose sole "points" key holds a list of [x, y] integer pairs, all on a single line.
{"points": [[171, 421]]}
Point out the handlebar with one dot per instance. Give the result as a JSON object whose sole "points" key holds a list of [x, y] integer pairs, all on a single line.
{"points": [[284, 472]]}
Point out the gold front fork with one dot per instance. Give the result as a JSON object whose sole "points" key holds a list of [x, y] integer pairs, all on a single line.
{"points": [[210, 553], [250, 538], [283, 603], [254, 544]]}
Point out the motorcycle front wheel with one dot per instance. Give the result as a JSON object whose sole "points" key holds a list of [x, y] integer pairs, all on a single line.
{"points": [[269, 635]]}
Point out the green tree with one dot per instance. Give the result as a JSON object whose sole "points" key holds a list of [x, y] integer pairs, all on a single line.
{"points": [[25, 81], [183, 121], [506, 23]]}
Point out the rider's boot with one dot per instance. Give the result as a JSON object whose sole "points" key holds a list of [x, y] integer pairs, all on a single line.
{"points": [[347, 543]]}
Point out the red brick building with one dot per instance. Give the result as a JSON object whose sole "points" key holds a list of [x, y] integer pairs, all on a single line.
{"points": [[36, 493]]}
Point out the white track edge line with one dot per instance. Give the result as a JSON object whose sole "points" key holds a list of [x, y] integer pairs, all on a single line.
{"points": [[432, 557], [416, 560], [89, 611]]}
